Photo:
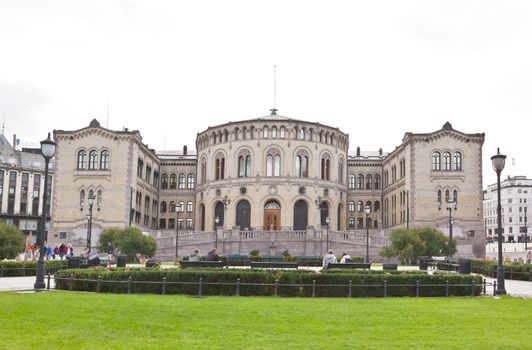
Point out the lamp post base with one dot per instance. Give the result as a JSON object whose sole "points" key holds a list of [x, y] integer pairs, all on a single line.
{"points": [[500, 282], [39, 281]]}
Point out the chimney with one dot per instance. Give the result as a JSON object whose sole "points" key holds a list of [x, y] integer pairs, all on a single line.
{"points": [[185, 149], [358, 151], [15, 142], [380, 151]]}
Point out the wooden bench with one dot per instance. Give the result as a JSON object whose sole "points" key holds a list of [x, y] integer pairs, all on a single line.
{"points": [[200, 264], [268, 258], [309, 260], [273, 265], [350, 266], [389, 267]]}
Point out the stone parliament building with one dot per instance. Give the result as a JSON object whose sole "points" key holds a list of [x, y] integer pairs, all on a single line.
{"points": [[270, 183]]}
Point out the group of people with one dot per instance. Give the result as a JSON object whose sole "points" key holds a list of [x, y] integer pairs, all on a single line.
{"points": [[330, 258], [212, 255], [59, 251]]}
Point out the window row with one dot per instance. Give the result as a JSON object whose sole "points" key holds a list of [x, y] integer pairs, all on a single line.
{"points": [[84, 198], [273, 165], [357, 182], [180, 181], [360, 207], [447, 197], [180, 224], [273, 132], [180, 206], [443, 161], [29, 201], [94, 160]]}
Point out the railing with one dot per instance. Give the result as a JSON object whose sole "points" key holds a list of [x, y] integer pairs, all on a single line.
{"points": [[386, 287], [358, 238], [27, 271]]}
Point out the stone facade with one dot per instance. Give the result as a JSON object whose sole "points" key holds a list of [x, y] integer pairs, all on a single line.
{"points": [[274, 174]]}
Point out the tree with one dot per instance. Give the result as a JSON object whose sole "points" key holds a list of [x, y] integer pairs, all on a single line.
{"points": [[11, 241], [128, 241], [409, 245]]}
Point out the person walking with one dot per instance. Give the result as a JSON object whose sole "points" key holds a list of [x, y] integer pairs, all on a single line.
{"points": [[329, 258], [62, 249]]}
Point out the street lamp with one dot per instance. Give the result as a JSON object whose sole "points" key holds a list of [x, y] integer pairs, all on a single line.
{"points": [[216, 221], [177, 211], [451, 204], [498, 161], [327, 220], [368, 210], [48, 151], [90, 200]]}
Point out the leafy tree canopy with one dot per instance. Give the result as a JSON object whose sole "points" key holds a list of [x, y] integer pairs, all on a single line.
{"points": [[409, 244], [127, 241], [11, 241]]}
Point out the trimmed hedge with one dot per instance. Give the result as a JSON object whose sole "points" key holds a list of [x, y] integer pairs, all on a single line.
{"points": [[290, 283], [29, 268], [522, 272], [375, 272]]}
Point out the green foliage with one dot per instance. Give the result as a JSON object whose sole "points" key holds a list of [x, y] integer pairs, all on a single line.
{"points": [[363, 284], [29, 268], [409, 245], [513, 271], [127, 241], [254, 252], [11, 241]]}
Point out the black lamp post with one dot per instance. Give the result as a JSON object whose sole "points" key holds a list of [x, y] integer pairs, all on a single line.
{"points": [[451, 204], [498, 161], [368, 210], [526, 232], [90, 200], [177, 211], [327, 220], [48, 151], [216, 221]]}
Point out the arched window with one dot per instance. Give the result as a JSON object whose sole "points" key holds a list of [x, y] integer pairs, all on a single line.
{"points": [[190, 207], [377, 181], [439, 197], [81, 198], [436, 161], [326, 167], [273, 163], [377, 206], [204, 170], [352, 181], [181, 183], [163, 207], [243, 214], [447, 196], [341, 170], [171, 207], [99, 199], [368, 205], [190, 181], [244, 164], [302, 164], [369, 181], [219, 167], [93, 160], [104, 160], [82, 160], [309, 134], [301, 134], [360, 183], [173, 181], [236, 134], [282, 132], [446, 161], [457, 161], [274, 132], [351, 207], [164, 181], [455, 197], [181, 207], [360, 206], [300, 215], [265, 132]]}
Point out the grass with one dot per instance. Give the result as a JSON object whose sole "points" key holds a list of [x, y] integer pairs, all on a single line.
{"points": [[64, 320]]}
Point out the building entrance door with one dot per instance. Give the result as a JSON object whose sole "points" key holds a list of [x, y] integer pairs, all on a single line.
{"points": [[272, 216]]}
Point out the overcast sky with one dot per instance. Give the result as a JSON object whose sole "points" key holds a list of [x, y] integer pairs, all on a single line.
{"points": [[170, 69]]}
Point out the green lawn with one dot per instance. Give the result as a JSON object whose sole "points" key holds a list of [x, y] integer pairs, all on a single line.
{"points": [[63, 320]]}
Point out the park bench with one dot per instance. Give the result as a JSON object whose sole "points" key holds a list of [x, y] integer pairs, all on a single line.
{"points": [[201, 264], [272, 258], [237, 260], [309, 260], [350, 266], [389, 267], [273, 265]]}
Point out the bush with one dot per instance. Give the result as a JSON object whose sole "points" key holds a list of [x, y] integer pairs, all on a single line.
{"points": [[29, 268], [11, 241], [128, 241], [513, 271], [399, 284]]}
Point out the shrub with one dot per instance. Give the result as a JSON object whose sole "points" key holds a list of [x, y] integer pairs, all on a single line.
{"points": [[290, 283], [29, 268], [128, 241], [514, 271], [11, 241]]}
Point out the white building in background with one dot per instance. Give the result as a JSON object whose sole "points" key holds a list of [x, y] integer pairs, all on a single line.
{"points": [[516, 204]]}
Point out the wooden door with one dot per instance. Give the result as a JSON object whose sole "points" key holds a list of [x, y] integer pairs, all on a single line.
{"points": [[272, 219]]}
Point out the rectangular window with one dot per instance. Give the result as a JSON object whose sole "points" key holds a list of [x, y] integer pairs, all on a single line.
{"points": [[62, 235], [1, 188], [12, 191], [36, 194], [181, 224], [24, 193], [189, 224]]}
